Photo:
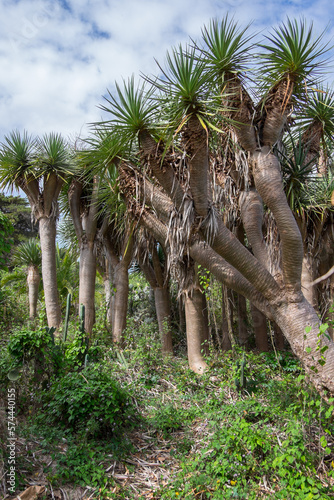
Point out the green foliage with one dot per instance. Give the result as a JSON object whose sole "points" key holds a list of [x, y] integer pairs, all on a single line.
{"points": [[88, 402], [171, 417], [52, 155], [260, 440], [144, 344], [76, 349], [16, 159], [81, 465], [241, 380], [132, 111], [6, 229], [293, 53], [318, 355], [18, 211], [320, 110], [28, 345], [67, 272], [298, 173], [226, 47], [28, 253]]}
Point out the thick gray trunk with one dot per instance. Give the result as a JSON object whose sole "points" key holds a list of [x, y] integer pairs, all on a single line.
{"points": [[33, 281], [268, 182], [162, 307], [194, 328], [120, 301], [293, 319], [47, 233], [309, 291]]}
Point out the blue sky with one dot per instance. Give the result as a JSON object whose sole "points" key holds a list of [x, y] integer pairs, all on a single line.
{"points": [[57, 58]]}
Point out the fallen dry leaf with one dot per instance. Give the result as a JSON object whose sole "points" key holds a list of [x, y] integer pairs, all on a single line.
{"points": [[31, 493]]}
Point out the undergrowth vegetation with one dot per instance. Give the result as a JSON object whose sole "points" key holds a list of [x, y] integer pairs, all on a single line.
{"points": [[90, 409]]}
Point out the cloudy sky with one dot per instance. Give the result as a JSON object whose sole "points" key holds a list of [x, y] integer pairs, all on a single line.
{"points": [[57, 58]]}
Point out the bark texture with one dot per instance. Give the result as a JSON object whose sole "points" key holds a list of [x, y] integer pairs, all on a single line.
{"points": [[33, 281], [260, 329], [120, 301], [162, 307], [47, 232], [195, 327], [87, 276]]}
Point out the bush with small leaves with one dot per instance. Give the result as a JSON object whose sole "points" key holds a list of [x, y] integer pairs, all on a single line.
{"points": [[87, 402]]}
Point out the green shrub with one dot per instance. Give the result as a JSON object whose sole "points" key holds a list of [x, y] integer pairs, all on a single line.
{"points": [[87, 402], [34, 353], [80, 465]]}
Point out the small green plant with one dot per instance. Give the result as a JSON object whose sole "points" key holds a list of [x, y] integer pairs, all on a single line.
{"points": [[169, 418], [81, 465], [35, 347], [241, 381], [320, 348]]}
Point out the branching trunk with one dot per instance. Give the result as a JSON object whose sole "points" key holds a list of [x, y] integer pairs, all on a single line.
{"points": [[85, 224], [268, 182]]}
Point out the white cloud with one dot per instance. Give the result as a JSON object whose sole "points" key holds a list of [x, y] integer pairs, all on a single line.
{"points": [[56, 62]]}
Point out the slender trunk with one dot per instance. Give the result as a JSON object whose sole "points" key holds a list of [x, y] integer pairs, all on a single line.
{"points": [[182, 320], [33, 281], [227, 317], [120, 301], [206, 330], [242, 321], [87, 277], [107, 289], [47, 233], [108, 283], [162, 307], [260, 329]]}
